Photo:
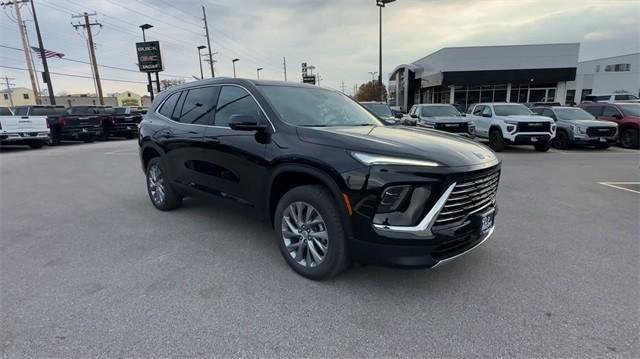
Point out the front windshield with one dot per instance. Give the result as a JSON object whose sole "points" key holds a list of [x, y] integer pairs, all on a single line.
{"points": [[379, 109], [573, 114], [511, 110], [631, 110], [439, 111], [316, 107], [120, 110]]}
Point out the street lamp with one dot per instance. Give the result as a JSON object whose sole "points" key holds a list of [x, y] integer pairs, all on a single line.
{"points": [[145, 27], [234, 66], [200, 60], [258, 72], [381, 4], [149, 84], [373, 75]]}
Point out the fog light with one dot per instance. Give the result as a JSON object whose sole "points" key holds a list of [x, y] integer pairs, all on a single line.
{"points": [[511, 128], [392, 198]]}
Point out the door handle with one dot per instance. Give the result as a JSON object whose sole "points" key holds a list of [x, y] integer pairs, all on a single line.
{"points": [[211, 140]]}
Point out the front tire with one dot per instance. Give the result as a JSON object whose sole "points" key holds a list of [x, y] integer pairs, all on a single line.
{"points": [[162, 195], [561, 141], [542, 146], [496, 141], [36, 145], [603, 146], [310, 232], [629, 138]]}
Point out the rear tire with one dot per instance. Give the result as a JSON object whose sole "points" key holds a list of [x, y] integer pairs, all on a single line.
{"points": [[561, 141], [55, 137], [496, 141], [310, 233], [629, 138], [162, 195], [542, 146], [36, 145]]}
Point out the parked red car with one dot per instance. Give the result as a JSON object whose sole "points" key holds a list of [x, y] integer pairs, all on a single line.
{"points": [[626, 115]]}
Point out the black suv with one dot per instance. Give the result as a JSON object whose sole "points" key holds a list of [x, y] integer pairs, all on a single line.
{"points": [[336, 185]]}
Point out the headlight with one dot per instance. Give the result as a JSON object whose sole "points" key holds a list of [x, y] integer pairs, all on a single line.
{"points": [[514, 123], [578, 129], [371, 159]]}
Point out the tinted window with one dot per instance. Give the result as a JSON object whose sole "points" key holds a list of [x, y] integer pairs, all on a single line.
{"points": [[573, 114], [594, 110], [631, 110], [379, 109], [199, 105], [610, 111], [439, 111], [511, 110], [486, 111], [4, 111], [626, 97], [120, 110], [312, 106], [44, 111], [547, 112], [167, 107], [477, 111], [235, 101], [21, 111]]}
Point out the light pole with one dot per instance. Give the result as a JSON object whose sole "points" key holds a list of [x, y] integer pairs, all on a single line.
{"points": [[200, 60], [373, 75], [381, 4], [258, 72], [234, 66], [144, 39]]}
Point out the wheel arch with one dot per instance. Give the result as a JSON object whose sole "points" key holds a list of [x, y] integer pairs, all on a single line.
{"points": [[287, 176]]}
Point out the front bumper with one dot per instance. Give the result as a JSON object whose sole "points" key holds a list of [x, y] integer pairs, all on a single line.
{"points": [[123, 128], [592, 141], [80, 132], [529, 138]]}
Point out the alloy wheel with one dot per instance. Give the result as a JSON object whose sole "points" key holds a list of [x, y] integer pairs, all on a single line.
{"points": [[305, 235], [156, 184]]}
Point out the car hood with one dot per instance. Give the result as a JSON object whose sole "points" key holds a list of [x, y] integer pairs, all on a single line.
{"points": [[400, 141], [526, 118], [593, 123], [446, 119]]}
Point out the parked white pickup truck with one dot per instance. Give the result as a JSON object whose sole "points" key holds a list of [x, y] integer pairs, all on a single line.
{"points": [[512, 124], [22, 130]]}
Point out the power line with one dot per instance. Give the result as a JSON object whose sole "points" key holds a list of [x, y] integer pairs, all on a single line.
{"points": [[71, 75]]}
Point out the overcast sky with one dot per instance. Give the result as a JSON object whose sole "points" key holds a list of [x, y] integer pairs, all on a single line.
{"points": [[339, 37]]}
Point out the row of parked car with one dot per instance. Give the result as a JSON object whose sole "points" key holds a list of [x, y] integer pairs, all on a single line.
{"points": [[598, 124], [37, 125]]}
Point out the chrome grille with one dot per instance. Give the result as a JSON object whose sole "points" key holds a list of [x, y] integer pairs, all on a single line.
{"points": [[468, 197]]}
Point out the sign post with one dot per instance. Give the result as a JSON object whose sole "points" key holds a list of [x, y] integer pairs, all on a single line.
{"points": [[308, 78], [150, 61]]}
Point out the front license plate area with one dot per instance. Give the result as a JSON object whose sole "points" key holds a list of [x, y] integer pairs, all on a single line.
{"points": [[484, 221], [534, 139]]}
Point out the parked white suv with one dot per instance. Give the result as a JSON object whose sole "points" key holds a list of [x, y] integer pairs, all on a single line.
{"points": [[511, 124], [611, 97]]}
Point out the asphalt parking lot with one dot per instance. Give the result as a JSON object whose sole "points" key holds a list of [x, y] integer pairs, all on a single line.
{"points": [[89, 268]]}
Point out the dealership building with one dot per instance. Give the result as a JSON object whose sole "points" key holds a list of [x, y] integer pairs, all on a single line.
{"points": [[520, 73]]}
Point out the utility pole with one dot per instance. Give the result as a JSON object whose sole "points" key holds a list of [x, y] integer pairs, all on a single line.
{"points": [[87, 26], [24, 25], [25, 43], [206, 29], [284, 63], [318, 77], [45, 66], [6, 79]]}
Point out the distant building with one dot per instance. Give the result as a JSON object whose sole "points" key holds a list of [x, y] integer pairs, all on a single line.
{"points": [[126, 98], [145, 101], [17, 96], [606, 75], [467, 75], [80, 100]]}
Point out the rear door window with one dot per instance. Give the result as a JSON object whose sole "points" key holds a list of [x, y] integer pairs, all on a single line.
{"points": [[199, 105], [21, 111]]}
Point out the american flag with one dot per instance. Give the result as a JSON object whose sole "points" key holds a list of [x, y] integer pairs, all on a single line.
{"points": [[47, 53]]}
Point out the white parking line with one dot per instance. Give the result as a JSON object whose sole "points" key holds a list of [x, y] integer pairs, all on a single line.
{"points": [[125, 151], [615, 185]]}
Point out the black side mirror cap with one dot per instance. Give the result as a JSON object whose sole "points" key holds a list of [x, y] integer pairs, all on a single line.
{"points": [[486, 115], [414, 116], [246, 123]]}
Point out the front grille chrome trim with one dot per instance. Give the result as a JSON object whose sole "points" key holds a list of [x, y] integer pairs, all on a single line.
{"points": [[422, 229]]}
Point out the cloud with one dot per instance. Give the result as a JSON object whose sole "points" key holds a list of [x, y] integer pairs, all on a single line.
{"points": [[339, 37]]}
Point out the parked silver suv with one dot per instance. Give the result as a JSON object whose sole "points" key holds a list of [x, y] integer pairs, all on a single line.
{"points": [[442, 117], [576, 126]]}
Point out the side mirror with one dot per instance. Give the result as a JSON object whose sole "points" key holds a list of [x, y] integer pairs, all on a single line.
{"points": [[486, 115], [397, 114], [463, 114], [246, 123], [617, 116], [414, 116]]}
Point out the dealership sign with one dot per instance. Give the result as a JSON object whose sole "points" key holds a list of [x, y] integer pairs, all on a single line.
{"points": [[149, 56], [309, 79]]}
